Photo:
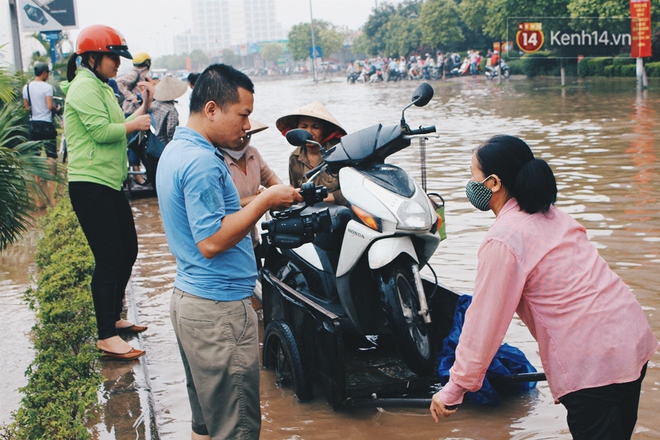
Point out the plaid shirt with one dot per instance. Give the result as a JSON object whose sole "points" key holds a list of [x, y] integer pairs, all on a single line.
{"points": [[128, 87], [166, 119]]}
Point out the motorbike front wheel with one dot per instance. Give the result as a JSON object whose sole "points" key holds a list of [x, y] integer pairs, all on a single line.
{"points": [[506, 72], [401, 306]]}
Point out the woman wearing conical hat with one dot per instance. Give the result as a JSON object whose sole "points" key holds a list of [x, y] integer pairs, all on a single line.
{"points": [[249, 170], [325, 129]]}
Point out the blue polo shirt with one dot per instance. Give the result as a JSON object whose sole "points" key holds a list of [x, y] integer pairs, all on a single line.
{"points": [[195, 192]]}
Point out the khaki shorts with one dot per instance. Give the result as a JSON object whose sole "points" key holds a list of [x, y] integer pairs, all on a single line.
{"points": [[219, 347]]}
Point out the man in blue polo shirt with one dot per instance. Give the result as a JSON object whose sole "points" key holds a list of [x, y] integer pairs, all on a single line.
{"points": [[208, 233]]}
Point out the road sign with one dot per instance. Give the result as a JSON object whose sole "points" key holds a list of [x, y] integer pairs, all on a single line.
{"points": [[47, 15], [318, 54]]}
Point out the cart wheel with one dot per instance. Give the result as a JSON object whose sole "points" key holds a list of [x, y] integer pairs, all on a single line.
{"points": [[281, 352]]}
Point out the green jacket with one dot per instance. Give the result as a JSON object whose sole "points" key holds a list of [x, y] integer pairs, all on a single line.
{"points": [[95, 132]]}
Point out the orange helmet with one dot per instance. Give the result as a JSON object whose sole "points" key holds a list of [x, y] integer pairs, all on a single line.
{"points": [[101, 38]]}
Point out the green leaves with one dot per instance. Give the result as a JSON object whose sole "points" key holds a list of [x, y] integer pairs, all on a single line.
{"points": [[20, 163], [63, 379], [327, 35], [440, 23]]}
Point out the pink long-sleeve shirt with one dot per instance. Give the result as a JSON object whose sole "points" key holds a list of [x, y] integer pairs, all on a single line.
{"points": [[590, 329]]}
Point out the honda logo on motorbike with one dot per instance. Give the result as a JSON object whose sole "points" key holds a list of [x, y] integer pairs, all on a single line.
{"points": [[530, 37], [356, 233]]}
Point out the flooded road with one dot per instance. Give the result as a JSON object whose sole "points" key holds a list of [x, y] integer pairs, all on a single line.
{"points": [[602, 140]]}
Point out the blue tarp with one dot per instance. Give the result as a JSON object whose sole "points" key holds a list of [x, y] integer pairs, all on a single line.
{"points": [[508, 360]]}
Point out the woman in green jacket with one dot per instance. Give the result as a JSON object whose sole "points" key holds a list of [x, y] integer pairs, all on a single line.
{"points": [[96, 133]]}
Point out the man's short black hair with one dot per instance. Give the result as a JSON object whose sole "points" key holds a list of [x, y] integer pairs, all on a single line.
{"points": [[40, 68], [218, 83]]}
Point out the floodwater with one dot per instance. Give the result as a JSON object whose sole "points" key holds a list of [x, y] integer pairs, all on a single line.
{"points": [[602, 139]]}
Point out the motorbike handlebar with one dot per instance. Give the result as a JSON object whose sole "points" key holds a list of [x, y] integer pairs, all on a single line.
{"points": [[314, 171], [422, 130]]}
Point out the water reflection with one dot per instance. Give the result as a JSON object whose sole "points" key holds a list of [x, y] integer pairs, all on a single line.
{"points": [[16, 321]]}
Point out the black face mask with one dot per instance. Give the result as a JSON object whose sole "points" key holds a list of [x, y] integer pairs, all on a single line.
{"points": [[478, 194]]}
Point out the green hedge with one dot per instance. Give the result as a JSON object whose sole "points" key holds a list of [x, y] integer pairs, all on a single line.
{"points": [[653, 69], [64, 378], [541, 63]]}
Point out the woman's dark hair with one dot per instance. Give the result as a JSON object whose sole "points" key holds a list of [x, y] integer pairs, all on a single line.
{"points": [[218, 83], [528, 179], [72, 66]]}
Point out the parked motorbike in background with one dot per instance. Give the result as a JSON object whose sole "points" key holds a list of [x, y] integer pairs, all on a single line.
{"points": [[352, 77], [362, 262], [435, 72], [492, 72], [394, 75]]}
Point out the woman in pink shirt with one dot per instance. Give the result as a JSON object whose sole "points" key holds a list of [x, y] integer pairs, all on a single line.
{"points": [[536, 261]]}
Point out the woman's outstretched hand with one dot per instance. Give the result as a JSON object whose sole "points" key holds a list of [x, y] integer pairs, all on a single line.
{"points": [[438, 408]]}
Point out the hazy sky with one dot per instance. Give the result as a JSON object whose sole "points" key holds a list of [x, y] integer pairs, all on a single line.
{"points": [[149, 25]]}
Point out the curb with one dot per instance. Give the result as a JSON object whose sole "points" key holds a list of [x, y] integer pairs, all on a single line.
{"points": [[126, 399], [140, 369]]}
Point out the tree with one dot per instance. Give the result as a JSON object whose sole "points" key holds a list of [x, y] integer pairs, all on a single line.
{"points": [[391, 30], [374, 29], [229, 57], [402, 36], [490, 17], [271, 52], [199, 60], [327, 35], [440, 23], [18, 166]]}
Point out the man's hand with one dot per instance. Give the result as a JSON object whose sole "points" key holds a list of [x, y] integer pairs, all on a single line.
{"points": [[438, 408], [281, 196]]}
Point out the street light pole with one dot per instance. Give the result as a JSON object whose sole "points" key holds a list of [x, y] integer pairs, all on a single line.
{"points": [[311, 25]]}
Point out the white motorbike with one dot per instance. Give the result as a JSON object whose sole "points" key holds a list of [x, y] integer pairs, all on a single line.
{"points": [[362, 262]]}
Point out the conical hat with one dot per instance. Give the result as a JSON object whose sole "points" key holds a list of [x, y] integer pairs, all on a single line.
{"points": [[315, 110], [255, 127], [169, 89]]}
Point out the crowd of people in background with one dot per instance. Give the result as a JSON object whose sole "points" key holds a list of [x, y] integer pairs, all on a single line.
{"points": [[425, 67]]}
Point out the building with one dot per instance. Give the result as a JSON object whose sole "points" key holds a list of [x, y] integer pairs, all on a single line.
{"points": [[233, 24]]}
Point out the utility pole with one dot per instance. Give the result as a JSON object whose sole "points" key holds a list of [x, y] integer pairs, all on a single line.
{"points": [[15, 36], [311, 25]]}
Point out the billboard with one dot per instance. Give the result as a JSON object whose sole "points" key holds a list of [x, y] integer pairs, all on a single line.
{"points": [[47, 15], [570, 37]]}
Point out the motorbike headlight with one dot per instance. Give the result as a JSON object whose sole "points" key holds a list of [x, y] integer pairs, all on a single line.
{"points": [[412, 215]]}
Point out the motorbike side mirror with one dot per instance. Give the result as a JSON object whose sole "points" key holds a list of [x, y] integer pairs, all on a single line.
{"points": [[298, 137], [422, 94]]}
